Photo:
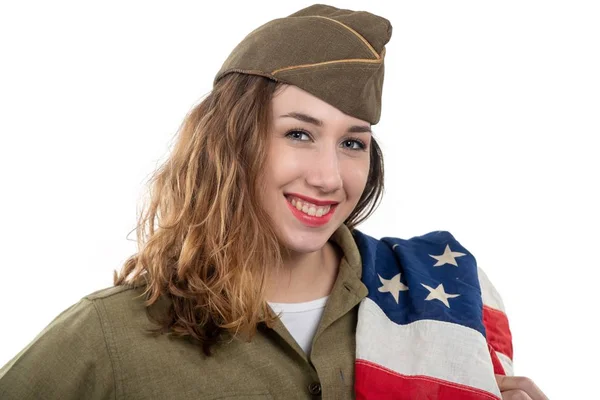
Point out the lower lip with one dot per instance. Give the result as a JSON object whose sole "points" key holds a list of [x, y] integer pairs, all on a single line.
{"points": [[313, 221]]}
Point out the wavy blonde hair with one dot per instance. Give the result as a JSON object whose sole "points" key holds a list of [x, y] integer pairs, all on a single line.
{"points": [[205, 243]]}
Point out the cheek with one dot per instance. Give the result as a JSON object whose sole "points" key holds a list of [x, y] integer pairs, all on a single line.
{"points": [[282, 167], [355, 179], [279, 167]]}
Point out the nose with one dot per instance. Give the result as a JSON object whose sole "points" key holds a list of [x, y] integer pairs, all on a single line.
{"points": [[325, 173]]}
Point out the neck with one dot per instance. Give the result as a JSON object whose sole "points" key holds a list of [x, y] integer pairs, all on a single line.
{"points": [[304, 276]]}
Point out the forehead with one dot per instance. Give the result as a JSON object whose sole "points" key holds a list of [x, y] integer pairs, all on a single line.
{"points": [[289, 98]]}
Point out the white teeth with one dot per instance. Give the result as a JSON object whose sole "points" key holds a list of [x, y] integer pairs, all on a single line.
{"points": [[310, 209]]}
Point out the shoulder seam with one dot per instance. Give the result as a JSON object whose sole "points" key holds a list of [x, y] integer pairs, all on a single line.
{"points": [[93, 296], [112, 364]]}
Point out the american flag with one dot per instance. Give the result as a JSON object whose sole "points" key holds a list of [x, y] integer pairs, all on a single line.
{"points": [[432, 325]]}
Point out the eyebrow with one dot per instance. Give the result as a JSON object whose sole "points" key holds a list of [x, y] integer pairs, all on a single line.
{"points": [[317, 122]]}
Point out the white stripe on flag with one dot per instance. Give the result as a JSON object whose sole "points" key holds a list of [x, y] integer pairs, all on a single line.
{"points": [[489, 294], [439, 349]]}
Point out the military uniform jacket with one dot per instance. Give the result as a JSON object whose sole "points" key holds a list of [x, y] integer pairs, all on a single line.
{"points": [[99, 349]]}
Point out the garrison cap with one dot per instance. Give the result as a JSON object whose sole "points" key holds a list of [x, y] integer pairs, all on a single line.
{"points": [[334, 54]]}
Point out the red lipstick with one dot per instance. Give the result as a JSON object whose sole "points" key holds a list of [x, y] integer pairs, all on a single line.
{"points": [[312, 221], [313, 201]]}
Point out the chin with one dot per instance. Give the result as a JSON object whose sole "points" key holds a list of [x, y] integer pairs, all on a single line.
{"points": [[306, 242]]}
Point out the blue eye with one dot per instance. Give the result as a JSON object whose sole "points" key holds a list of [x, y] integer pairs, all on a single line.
{"points": [[357, 142], [296, 134]]}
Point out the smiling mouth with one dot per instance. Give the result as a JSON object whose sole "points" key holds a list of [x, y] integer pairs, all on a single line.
{"points": [[309, 209]]}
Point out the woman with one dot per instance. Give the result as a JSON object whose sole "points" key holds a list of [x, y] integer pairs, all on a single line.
{"points": [[254, 212]]}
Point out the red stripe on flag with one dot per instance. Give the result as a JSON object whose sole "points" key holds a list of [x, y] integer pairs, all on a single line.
{"points": [[497, 331], [372, 381], [498, 367]]}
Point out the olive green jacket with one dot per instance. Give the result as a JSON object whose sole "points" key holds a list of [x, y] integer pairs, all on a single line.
{"points": [[98, 349]]}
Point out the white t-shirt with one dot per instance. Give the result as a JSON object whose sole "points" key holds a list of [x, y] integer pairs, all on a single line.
{"points": [[301, 319]]}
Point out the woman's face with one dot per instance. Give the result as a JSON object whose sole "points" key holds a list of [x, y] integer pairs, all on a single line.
{"points": [[316, 170]]}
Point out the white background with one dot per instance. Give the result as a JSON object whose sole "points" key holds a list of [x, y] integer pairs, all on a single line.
{"points": [[490, 130]]}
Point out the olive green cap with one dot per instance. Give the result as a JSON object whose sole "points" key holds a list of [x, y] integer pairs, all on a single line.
{"points": [[334, 54]]}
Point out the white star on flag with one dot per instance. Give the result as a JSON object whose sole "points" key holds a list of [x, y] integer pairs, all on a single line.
{"points": [[392, 286], [447, 257], [439, 294]]}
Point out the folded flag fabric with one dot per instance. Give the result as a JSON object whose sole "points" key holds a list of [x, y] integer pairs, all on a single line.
{"points": [[432, 325]]}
